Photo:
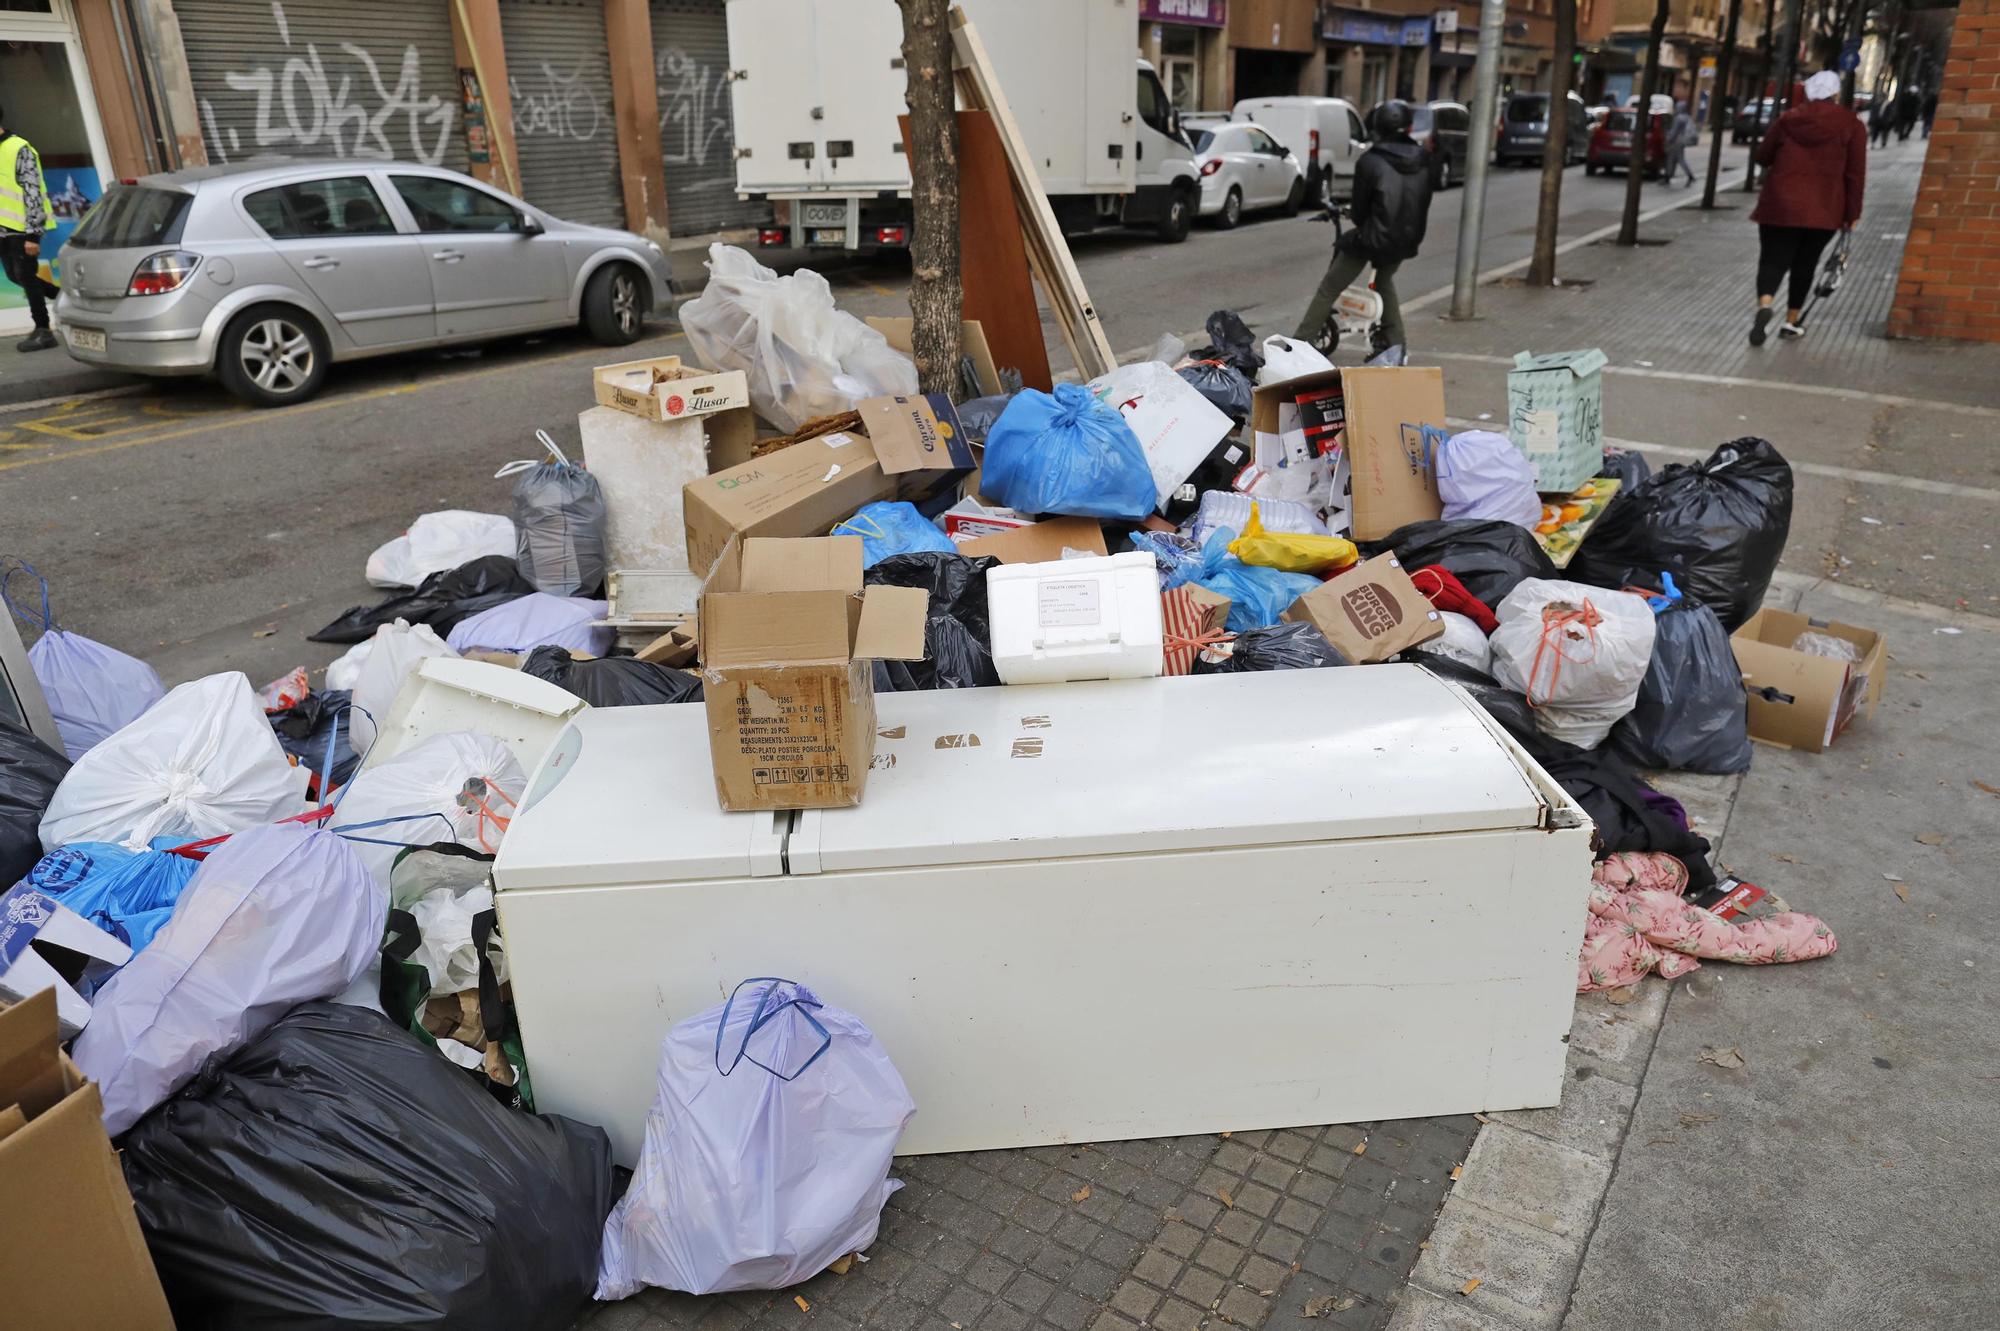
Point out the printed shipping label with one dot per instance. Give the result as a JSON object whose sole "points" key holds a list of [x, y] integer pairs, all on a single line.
{"points": [[1543, 432], [1067, 604]]}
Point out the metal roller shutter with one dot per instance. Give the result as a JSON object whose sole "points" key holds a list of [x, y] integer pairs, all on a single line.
{"points": [[559, 75], [697, 134], [324, 78]]}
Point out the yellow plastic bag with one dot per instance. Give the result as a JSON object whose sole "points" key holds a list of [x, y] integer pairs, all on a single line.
{"points": [[1290, 551]]}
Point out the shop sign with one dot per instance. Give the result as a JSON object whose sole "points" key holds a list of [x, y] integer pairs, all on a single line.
{"points": [[1206, 13]]}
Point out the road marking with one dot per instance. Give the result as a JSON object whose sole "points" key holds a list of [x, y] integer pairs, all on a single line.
{"points": [[245, 416], [40, 403], [1855, 474], [1734, 381]]}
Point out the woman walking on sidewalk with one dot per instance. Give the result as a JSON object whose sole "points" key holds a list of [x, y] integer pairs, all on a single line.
{"points": [[1817, 162]]}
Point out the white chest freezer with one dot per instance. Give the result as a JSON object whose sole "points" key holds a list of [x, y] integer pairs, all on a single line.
{"points": [[1077, 912]]}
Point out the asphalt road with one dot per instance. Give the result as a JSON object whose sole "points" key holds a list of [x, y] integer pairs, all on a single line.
{"points": [[176, 524]]}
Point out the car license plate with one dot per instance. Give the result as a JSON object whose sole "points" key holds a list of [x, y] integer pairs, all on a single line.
{"points": [[825, 214], [830, 235], [86, 339]]}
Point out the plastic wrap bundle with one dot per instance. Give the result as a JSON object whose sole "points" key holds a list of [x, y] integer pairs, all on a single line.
{"points": [[559, 513], [1579, 653]]}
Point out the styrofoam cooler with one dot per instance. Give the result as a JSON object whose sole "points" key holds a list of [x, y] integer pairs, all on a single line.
{"points": [[1076, 619]]}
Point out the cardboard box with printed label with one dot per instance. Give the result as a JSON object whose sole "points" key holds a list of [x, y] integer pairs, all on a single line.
{"points": [[1799, 700], [75, 1254], [917, 439], [1394, 421], [663, 389], [1039, 542], [1370, 612], [1555, 416], [787, 639], [797, 491]]}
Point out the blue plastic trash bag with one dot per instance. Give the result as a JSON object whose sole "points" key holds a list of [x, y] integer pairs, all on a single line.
{"points": [[1067, 453], [1258, 596], [894, 528], [127, 893], [92, 690], [767, 1148]]}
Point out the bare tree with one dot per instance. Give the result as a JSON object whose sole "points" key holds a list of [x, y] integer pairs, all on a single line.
{"points": [[1555, 149], [1758, 118], [1642, 121], [937, 294], [1718, 98]]}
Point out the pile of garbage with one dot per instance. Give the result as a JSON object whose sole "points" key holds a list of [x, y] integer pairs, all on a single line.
{"points": [[266, 916]]}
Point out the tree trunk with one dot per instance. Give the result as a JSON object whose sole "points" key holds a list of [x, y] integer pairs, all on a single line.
{"points": [[1757, 125], [1718, 99], [1642, 124], [1555, 149], [937, 295]]}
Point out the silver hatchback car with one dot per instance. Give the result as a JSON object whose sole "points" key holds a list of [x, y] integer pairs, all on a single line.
{"points": [[266, 273]]}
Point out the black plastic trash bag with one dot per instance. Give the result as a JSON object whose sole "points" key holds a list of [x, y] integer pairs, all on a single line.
{"points": [[440, 601], [559, 515], [1718, 526], [1226, 387], [336, 1172], [1627, 467], [1691, 714], [1230, 339], [1278, 647], [1504, 705], [958, 652], [977, 416], [612, 681], [30, 771], [1491, 558], [306, 730]]}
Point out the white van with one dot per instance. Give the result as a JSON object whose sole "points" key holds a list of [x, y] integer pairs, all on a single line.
{"points": [[1324, 133]]}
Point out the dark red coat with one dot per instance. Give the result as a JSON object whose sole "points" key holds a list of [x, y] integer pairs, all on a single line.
{"points": [[1818, 160]]}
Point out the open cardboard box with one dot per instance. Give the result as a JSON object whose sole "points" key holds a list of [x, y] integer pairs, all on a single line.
{"points": [[663, 389], [1394, 420], [972, 336], [75, 1255], [788, 637], [797, 491], [1798, 700]]}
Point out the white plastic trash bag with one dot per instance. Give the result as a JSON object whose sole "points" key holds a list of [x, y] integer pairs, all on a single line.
{"points": [[92, 690], [438, 541], [345, 670], [1288, 358], [767, 1148], [458, 786], [803, 357], [444, 939], [1463, 641], [396, 651], [275, 917], [1578, 653], [1480, 474], [202, 761], [535, 620]]}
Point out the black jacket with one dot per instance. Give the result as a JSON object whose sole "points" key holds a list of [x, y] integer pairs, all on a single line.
{"points": [[1392, 201]]}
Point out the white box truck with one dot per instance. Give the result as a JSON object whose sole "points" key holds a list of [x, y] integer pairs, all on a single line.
{"points": [[816, 87]]}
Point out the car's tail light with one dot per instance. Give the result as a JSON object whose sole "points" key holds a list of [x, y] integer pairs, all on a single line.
{"points": [[892, 235], [158, 274], [1314, 142], [772, 235], [1211, 166]]}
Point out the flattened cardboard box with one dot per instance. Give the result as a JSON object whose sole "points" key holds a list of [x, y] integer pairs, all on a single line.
{"points": [[1038, 542], [75, 1254], [972, 335], [1798, 700], [797, 491], [788, 638], [917, 439], [1370, 612], [1394, 422]]}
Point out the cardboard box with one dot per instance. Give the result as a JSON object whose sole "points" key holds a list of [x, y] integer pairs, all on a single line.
{"points": [[971, 333], [1798, 700], [787, 638], [36, 929], [918, 440], [662, 389], [1370, 612], [75, 1254], [1038, 542], [798, 491], [1394, 423], [969, 518], [1555, 416]]}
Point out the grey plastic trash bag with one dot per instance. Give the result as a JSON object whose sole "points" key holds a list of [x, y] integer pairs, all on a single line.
{"points": [[559, 512]]}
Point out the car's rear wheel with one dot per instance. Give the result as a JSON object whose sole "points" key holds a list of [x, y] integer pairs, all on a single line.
{"points": [[1232, 210], [1444, 172], [273, 356], [1173, 226], [1589, 167], [614, 305]]}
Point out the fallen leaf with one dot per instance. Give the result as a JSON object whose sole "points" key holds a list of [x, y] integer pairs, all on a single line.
{"points": [[262, 633], [1731, 1057], [1470, 1285], [1319, 1307], [1361, 1148], [1788, 859], [800, 1299], [1620, 996], [1343, 1305], [1227, 1200], [1456, 1172], [1930, 838], [1991, 790], [1777, 903], [1082, 1194], [1691, 1119], [1227, 1135], [1903, 891], [1482, 1118], [1424, 1246]]}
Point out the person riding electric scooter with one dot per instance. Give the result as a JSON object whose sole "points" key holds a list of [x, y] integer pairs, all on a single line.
{"points": [[1391, 207]]}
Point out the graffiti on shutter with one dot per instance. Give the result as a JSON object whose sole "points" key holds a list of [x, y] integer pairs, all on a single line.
{"points": [[552, 104], [695, 127]]}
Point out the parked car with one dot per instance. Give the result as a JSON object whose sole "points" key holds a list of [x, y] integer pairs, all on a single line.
{"points": [[1198, 120], [1524, 128], [265, 274], [1751, 118], [1241, 168], [1324, 133], [1611, 144], [1445, 131]]}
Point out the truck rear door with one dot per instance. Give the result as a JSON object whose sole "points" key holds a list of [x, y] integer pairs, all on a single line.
{"points": [[774, 94], [860, 94]]}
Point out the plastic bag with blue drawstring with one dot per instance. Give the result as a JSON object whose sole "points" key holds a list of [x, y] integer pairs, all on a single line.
{"points": [[894, 528], [1067, 453], [1692, 712], [92, 690], [1258, 596], [130, 894], [767, 1148]]}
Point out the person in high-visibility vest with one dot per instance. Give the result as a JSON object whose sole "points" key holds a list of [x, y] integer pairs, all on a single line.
{"points": [[24, 218]]}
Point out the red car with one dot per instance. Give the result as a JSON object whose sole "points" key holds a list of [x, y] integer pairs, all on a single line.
{"points": [[1611, 144]]}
